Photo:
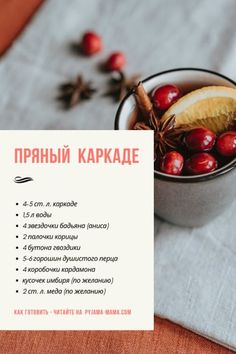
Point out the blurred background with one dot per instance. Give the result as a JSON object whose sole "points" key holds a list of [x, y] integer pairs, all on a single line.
{"points": [[38, 55], [154, 35]]}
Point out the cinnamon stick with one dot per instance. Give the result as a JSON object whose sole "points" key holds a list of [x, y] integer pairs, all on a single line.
{"points": [[143, 101]]}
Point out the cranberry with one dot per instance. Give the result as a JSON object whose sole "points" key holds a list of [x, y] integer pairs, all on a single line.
{"points": [[172, 163], [116, 61], [200, 139], [164, 96], [200, 163], [91, 43], [226, 144]]}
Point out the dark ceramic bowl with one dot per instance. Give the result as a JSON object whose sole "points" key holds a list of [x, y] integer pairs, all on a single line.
{"points": [[186, 200]]}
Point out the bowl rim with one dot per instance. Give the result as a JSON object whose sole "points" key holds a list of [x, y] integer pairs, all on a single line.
{"points": [[181, 179]]}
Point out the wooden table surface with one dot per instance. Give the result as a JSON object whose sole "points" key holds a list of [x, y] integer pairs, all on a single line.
{"points": [[167, 338]]}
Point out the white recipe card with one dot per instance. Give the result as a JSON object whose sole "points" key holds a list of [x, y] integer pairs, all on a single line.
{"points": [[76, 230]]}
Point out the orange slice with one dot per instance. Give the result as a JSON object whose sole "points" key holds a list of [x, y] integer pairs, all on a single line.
{"points": [[212, 107]]}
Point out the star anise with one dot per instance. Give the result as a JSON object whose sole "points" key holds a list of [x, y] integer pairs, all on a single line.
{"points": [[71, 93], [120, 84], [166, 135]]}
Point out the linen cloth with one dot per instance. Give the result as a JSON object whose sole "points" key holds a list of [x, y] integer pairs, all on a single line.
{"points": [[167, 338], [194, 268], [14, 14]]}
